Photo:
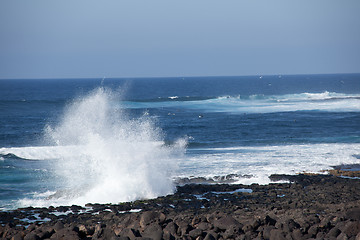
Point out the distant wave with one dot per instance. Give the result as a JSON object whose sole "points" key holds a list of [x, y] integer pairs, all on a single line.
{"points": [[41, 153], [315, 96], [325, 101], [172, 99], [32, 101]]}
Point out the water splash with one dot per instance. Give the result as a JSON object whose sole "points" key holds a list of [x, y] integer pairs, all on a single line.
{"points": [[112, 158]]}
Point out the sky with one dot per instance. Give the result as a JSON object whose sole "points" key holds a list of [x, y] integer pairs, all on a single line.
{"points": [[177, 38]]}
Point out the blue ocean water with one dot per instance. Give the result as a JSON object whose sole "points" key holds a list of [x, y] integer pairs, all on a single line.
{"points": [[73, 141]]}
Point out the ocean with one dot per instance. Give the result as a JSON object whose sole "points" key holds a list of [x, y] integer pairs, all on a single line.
{"points": [[74, 141]]}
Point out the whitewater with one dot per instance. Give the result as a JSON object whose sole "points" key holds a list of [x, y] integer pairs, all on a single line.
{"points": [[129, 140], [263, 104]]}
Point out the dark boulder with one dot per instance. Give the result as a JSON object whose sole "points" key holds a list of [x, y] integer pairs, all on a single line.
{"points": [[226, 222], [151, 217], [153, 231], [353, 214]]}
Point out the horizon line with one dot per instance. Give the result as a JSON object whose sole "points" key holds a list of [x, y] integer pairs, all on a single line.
{"points": [[197, 76]]}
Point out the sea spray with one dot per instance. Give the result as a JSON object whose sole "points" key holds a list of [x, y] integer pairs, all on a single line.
{"points": [[112, 158]]}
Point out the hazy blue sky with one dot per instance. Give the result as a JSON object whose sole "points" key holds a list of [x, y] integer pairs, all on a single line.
{"points": [[147, 38]]}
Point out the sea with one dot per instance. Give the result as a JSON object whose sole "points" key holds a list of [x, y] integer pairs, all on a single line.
{"points": [[111, 140]]}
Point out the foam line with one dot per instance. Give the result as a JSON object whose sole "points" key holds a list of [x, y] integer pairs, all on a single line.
{"points": [[325, 101]]}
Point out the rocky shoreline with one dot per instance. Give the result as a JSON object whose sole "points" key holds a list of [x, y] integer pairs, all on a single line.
{"points": [[308, 207]]}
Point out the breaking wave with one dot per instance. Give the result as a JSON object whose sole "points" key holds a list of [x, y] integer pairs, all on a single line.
{"points": [[101, 156]]}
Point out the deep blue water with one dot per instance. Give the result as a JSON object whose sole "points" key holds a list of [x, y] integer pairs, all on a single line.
{"points": [[254, 125]]}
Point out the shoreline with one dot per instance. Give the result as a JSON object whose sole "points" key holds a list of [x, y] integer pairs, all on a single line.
{"points": [[309, 206]]}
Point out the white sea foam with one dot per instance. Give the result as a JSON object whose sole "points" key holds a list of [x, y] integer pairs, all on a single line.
{"points": [[325, 101], [42, 152], [331, 102], [113, 179], [52, 152], [104, 157], [260, 162]]}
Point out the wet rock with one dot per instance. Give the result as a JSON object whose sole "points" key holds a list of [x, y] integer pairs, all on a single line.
{"points": [[123, 238], [249, 235], [313, 230], [31, 236], [107, 233], [247, 228], [62, 209], [311, 221], [353, 214], [357, 236], [76, 208], [352, 229], [168, 236], [256, 224], [18, 236], [196, 220], [130, 233], [31, 227], [195, 233], [204, 226], [98, 230], [210, 236], [128, 221], [266, 231], [334, 232], [269, 221], [171, 228], [45, 233], [342, 236], [153, 231], [65, 233], [150, 217], [85, 231], [58, 226], [231, 233], [183, 228], [226, 222], [297, 234], [277, 234], [289, 225], [341, 225]]}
